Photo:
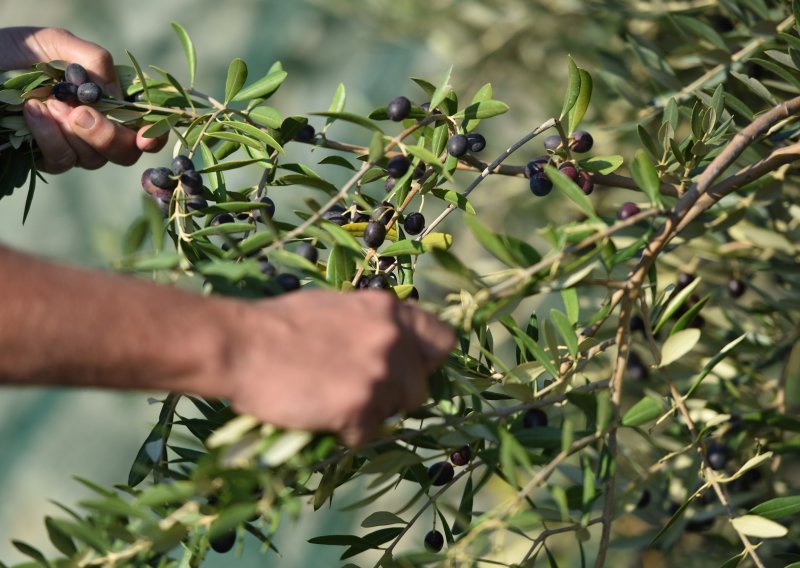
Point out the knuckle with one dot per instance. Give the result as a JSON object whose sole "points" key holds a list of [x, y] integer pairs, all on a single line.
{"points": [[58, 32], [60, 162], [104, 57], [93, 163], [128, 159], [380, 369], [357, 404]]}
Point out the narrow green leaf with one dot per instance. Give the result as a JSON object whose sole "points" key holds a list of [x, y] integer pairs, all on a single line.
{"points": [[714, 361], [32, 552], [403, 247], [605, 410], [642, 412], [440, 93], [339, 99], [437, 241], [188, 48], [572, 192], [265, 116], [550, 558], [229, 165], [429, 158], [83, 532], [483, 94], [778, 508], [140, 76], [792, 370], [339, 161], [253, 132], [756, 87], [237, 75], [60, 540], [350, 117], [573, 88], [376, 147], [161, 127], [31, 189], [570, 298], [589, 485], [465, 507], [484, 109], [567, 435], [236, 138], [523, 253], [578, 111], [490, 241], [672, 520], [288, 445], [601, 164], [309, 181], [11, 97], [687, 318], [647, 141], [264, 87], [532, 346], [646, 177], [551, 339], [566, 330], [339, 540], [510, 452], [455, 198], [341, 237], [759, 527], [154, 445], [677, 151], [700, 30], [678, 345], [381, 518], [717, 103], [676, 302], [796, 14], [341, 266]]}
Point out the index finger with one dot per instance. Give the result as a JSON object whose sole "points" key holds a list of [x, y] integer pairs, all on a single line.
{"points": [[56, 43], [435, 338]]}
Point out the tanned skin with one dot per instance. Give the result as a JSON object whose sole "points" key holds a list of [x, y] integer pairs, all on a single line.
{"points": [[315, 360]]}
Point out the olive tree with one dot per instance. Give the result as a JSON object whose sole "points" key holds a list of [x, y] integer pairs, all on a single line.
{"points": [[627, 378]]}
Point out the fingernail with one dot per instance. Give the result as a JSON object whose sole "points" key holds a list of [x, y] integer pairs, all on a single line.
{"points": [[84, 119]]}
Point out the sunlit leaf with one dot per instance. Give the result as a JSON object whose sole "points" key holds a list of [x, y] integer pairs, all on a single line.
{"points": [[237, 75], [678, 345], [262, 88], [188, 48]]}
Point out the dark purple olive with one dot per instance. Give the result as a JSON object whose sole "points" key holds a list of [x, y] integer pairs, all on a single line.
{"points": [[627, 210]]}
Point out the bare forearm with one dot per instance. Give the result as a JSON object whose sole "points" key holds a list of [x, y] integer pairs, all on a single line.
{"points": [[66, 326]]}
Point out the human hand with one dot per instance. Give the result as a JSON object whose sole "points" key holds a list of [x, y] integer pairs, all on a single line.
{"points": [[70, 136], [320, 360]]}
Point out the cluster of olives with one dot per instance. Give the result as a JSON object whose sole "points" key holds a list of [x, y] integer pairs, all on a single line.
{"points": [[442, 473], [579, 143], [76, 86], [459, 144], [161, 182]]}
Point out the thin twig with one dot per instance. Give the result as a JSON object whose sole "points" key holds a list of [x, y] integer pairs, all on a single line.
{"points": [[488, 170], [615, 390]]}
